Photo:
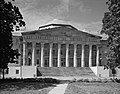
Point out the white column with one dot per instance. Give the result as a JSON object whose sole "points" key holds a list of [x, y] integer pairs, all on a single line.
{"points": [[59, 58], [50, 55], [67, 50], [19, 58], [97, 58], [82, 56], [24, 52], [75, 57], [90, 55], [42, 61], [33, 53]]}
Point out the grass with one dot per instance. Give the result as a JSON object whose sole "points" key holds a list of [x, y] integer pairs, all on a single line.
{"points": [[93, 88], [44, 85], [26, 86]]}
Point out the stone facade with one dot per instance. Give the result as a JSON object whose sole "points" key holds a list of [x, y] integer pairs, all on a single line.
{"points": [[58, 45], [62, 46]]}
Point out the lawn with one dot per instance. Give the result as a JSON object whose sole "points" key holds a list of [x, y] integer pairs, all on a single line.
{"points": [[93, 88], [27, 86], [43, 86]]}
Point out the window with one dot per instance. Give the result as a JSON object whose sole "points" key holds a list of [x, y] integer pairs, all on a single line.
{"points": [[17, 71]]}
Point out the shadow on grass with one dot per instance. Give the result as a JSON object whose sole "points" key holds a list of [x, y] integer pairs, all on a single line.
{"points": [[27, 84]]}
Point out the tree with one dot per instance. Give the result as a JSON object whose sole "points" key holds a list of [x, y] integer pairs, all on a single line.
{"points": [[111, 27], [10, 17]]}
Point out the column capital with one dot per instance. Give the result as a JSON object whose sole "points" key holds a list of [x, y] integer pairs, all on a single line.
{"points": [[59, 44], [33, 44], [90, 44], [98, 45], [51, 44], [75, 44], [24, 42], [67, 45], [42, 44]]}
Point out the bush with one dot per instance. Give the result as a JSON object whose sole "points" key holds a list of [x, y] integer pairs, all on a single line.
{"points": [[80, 80], [115, 80], [41, 80], [72, 81], [86, 80]]}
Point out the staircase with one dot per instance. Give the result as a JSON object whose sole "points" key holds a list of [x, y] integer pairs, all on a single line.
{"points": [[65, 71]]}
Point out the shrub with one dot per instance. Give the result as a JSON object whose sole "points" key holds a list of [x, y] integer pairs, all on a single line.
{"points": [[86, 80], [115, 80], [80, 80], [41, 80]]}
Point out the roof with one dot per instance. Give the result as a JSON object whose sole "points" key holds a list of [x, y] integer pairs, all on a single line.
{"points": [[55, 25], [52, 26]]}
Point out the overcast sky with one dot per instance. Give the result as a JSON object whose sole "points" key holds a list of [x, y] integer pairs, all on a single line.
{"points": [[83, 14]]}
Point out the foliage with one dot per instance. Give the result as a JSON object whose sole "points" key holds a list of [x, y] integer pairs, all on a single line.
{"points": [[111, 27], [10, 17], [27, 80], [17, 85]]}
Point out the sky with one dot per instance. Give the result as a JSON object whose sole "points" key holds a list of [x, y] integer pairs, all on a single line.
{"points": [[83, 14]]}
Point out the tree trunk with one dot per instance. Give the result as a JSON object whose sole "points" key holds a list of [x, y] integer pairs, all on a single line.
{"points": [[3, 74]]}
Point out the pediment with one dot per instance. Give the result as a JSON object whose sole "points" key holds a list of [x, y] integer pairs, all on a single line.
{"points": [[59, 30], [66, 32]]}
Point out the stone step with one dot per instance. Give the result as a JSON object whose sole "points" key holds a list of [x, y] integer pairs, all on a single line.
{"points": [[64, 71]]}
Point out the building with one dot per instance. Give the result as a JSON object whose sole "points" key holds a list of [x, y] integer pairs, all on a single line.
{"points": [[58, 45]]}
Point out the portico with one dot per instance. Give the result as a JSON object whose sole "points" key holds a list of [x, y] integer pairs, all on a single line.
{"points": [[62, 46], [61, 55]]}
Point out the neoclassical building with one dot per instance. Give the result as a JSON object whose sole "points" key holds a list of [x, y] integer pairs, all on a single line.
{"points": [[58, 45]]}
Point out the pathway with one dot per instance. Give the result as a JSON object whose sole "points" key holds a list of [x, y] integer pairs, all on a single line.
{"points": [[60, 89]]}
